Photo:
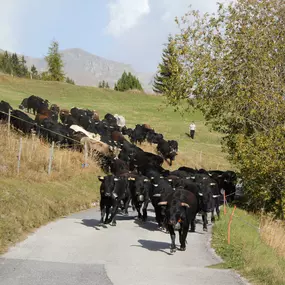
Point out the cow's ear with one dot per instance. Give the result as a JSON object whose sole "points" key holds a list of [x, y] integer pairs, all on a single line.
{"points": [[162, 203], [155, 185], [169, 180], [185, 205], [101, 178], [157, 195]]}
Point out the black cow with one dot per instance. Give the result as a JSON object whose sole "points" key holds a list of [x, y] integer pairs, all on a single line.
{"points": [[24, 104], [118, 166], [140, 187], [120, 193], [22, 121], [4, 110], [106, 201], [181, 210], [36, 104], [153, 137], [160, 190], [166, 151], [207, 201]]}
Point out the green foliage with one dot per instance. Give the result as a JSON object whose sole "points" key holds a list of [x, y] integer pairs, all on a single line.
{"points": [[128, 82], [234, 64], [165, 81], [12, 64], [69, 80], [34, 72], [103, 84], [247, 253], [55, 63]]}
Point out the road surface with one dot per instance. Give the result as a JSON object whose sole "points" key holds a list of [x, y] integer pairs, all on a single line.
{"points": [[74, 251]]}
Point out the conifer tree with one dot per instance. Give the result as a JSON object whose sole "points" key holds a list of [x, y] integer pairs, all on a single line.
{"points": [[55, 63]]}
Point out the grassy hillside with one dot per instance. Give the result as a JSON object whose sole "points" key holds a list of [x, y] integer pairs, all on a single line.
{"points": [[204, 150]]}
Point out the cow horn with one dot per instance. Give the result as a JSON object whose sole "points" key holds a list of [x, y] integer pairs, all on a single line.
{"points": [[131, 178], [216, 196], [185, 205], [145, 180], [116, 179], [192, 177], [155, 185], [157, 195], [169, 180], [100, 178], [212, 184], [200, 194], [162, 203], [220, 175]]}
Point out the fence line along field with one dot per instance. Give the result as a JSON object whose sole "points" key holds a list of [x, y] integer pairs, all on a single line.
{"points": [[204, 150]]}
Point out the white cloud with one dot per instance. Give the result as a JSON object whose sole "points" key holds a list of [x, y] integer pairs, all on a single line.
{"points": [[125, 14]]}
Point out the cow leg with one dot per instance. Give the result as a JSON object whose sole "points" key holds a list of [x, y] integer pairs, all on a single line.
{"points": [[212, 216], [103, 212], [112, 219], [107, 214], [172, 236], [182, 238], [218, 210], [145, 211], [158, 216], [126, 205], [138, 207], [193, 225], [204, 217]]}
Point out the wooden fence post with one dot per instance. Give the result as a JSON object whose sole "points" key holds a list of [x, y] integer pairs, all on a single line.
{"points": [[9, 121], [19, 156], [50, 158], [229, 225], [85, 155], [225, 209]]}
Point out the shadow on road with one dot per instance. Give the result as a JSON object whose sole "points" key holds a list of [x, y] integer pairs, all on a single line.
{"points": [[92, 223], [154, 245], [149, 225]]}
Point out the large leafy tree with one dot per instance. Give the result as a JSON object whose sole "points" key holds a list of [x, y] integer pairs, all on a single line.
{"points": [[55, 63], [234, 64]]}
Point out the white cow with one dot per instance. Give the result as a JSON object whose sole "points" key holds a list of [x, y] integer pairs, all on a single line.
{"points": [[121, 121], [88, 134]]}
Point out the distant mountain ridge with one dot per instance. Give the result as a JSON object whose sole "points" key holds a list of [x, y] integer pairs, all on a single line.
{"points": [[88, 69]]}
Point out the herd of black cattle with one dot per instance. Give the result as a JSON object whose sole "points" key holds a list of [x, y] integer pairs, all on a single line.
{"points": [[132, 175]]}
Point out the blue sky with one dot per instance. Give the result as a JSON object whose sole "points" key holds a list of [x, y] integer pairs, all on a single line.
{"points": [[129, 31]]}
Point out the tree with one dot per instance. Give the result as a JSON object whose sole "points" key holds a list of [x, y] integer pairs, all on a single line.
{"points": [[15, 65], [107, 85], [23, 70], [234, 64], [103, 84], [69, 80], [55, 63], [34, 72], [163, 82], [127, 82]]}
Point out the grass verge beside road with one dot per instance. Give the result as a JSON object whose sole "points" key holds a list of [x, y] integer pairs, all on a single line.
{"points": [[249, 252]]}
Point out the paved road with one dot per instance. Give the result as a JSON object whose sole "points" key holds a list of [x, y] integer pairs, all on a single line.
{"points": [[74, 251]]}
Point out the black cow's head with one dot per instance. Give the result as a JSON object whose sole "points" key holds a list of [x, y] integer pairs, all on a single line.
{"points": [[175, 212], [107, 186]]}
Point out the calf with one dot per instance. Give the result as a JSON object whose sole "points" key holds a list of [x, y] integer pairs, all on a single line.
{"points": [[24, 104], [181, 211]]}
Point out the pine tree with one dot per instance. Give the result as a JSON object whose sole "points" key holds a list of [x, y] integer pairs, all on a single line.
{"points": [[23, 72], [34, 72], [70, 81], [107, 85], [103, 84], [100, 84], [15, 65], [55, 63], [162, 82]]}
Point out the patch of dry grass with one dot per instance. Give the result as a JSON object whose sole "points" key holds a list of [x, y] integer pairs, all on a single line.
{"points": [[273, 233], [32, 197]]}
